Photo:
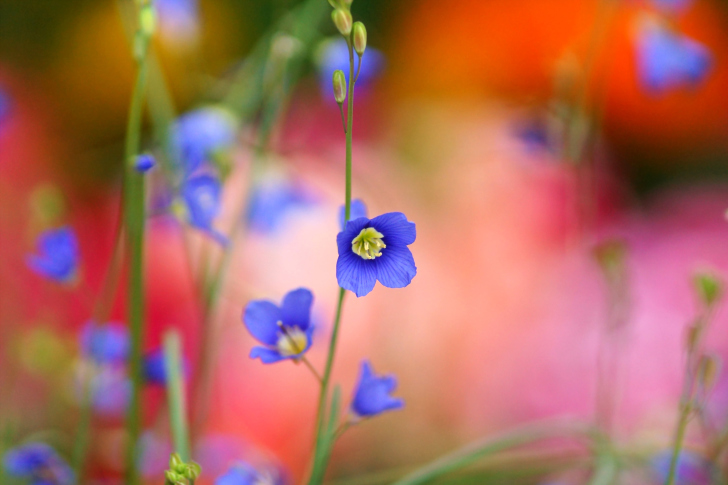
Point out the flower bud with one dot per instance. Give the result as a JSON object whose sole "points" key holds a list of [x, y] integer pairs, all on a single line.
{"points": [[175, 461], [693, 336], [339, 86], [360, 38], [342, 19], [709, 288], [147, 20]]}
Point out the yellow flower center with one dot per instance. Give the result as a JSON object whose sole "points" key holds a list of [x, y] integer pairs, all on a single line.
{"points": [[292, 341], [368, 244]]}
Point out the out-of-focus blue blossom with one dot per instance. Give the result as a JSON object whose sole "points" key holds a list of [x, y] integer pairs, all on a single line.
{"points": [[285, 331], [372, 394], [39, 464], [243, 474], [144, 163], [154, 369], [692, 469], [57, 256], [376, 249], [179, 20], [105, 344], [111, 392], [358, 209], [201, 195], [200, 135], [5, 107], [272, 202], [334, 54], [668, 60]]}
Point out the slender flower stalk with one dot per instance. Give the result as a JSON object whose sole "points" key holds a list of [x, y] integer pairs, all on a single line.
{"points": [[175, 393], [134, 215]]}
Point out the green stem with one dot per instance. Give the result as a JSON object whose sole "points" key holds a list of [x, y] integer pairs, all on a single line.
{"points": [[134, 219], [677, 446], [175, 394]]}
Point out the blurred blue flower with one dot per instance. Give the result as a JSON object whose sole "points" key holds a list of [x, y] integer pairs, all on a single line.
{"points": [[154, 369], [57, 256], [111, 392], [371, 396], [270, 203], [38, 463], [201, 195], [4, 107], [144, 162], [178, 19], [358, 209], [198, 136], [285, 331], [668, 60], [692, 469], [243, 474], [376, 249], [334, 54], [105, 344]]}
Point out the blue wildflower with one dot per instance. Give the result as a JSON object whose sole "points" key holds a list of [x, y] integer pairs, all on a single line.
{"points": [[285, 331], [270, 203], [358, 209], [372, 393], [334, 54], [154, 369], [201, 135], [376, 249], [144, 162], [667, 60], [243, 474], [692, 469], [38, 463], [105, 344], [57, 256], [201, 195]]}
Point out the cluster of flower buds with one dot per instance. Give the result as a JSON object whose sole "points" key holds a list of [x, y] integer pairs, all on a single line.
{"points": [[355, 34], [179, 472]]}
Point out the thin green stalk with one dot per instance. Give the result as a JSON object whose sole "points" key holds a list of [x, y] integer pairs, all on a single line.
{"points": [[679, 438], [134, 216], [175, 394]]}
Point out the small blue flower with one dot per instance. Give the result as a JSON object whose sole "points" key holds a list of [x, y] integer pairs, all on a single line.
{"points": [[285, 331], [270, 203], [243, 474], [376, 249], [111, 392], [57, 256], [334, 54], [200, 135], [692, 469], [201, 195], [105, 344], [154, 369], [144, 163], [667, 60], [372, 393], [38, 463], [358, 209]]}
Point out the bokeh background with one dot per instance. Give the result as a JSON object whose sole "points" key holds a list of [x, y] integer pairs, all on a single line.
{"points": [[461, 127]]}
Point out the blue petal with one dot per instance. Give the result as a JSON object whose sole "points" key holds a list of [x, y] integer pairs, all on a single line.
{"points": [[201, 195], [356, 274], [395, 227], [358, 209], [198, 135], [372, 393], [395, 267], [267, 355], [106, 344], [352, 229], [57, 257], [144, 162], [296, 308], [261, 318]]}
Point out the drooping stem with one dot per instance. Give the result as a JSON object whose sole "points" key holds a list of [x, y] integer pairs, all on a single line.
{"points": [[134, 217]]}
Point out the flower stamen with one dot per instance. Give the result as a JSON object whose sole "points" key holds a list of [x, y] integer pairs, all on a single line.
{"points": [[292, 340], [368, 244]]}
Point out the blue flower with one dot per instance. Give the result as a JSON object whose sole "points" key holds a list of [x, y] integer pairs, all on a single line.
{"points": [[111, 392], [105, 344], [692, 469], [178, 19], [199, 136], [358, 209], [667, 60], [372, 393], [144, 163], [270, 203], [154, 369], [334, 54], [285, 331], [243, 474], [57, 256], [38, 463], [376, 249], [201, 195]]}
